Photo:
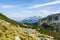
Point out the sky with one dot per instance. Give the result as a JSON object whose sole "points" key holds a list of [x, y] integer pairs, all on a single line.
{"points": [[20, 9]]}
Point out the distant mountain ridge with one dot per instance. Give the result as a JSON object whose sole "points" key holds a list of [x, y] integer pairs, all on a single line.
{"points": [[31, 20]]}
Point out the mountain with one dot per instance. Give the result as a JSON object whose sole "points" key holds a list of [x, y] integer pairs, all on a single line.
{"points": [[31, 20], [12, 30], [51, 22]]}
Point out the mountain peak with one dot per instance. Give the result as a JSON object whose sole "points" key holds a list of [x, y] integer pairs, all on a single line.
{"points": [[32, 19]]}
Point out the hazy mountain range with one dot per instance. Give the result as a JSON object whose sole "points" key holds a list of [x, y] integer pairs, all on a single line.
{"points": [[31, 20]]}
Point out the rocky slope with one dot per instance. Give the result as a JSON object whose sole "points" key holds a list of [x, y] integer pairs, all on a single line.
{"points": [[54, 18], [51, 22]]}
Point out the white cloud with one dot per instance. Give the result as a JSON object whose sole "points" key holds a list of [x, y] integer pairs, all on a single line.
{"points": [[7, 6], [46, 4]]}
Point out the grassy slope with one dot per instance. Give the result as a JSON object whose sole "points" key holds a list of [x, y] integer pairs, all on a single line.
{"points": [[9, 31]]}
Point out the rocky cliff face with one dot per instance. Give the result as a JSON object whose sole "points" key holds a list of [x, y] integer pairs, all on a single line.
{"points": [[51, 22]]}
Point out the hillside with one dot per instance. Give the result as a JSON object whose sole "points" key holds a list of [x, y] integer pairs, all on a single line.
{"points": [[9, 31], [12, 30], [51, 23]]}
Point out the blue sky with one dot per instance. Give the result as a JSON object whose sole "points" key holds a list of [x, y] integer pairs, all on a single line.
{"points": [[19, 9]]}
